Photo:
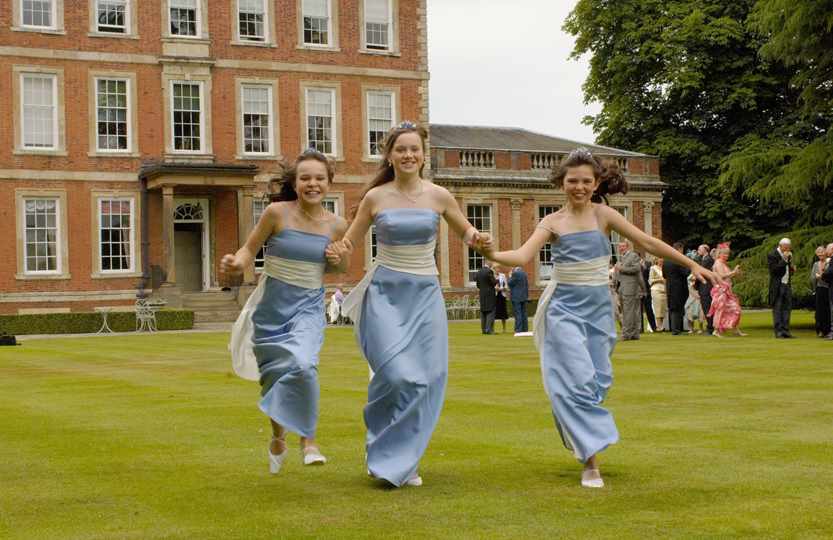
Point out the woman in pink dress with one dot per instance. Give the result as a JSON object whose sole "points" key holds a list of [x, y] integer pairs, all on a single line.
{"points": [[725, 305]]}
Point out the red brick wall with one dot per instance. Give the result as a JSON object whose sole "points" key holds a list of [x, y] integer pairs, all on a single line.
{"points": [[503, 160]]}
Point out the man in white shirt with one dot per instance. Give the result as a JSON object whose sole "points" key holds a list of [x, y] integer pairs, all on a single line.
{"points": [[781, 271]]}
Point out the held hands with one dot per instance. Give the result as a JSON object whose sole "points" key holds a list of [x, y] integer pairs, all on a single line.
{"points": [[480, 242], [231, 265], [338, 251]]}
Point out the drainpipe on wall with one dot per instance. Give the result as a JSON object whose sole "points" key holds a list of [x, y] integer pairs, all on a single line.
{"points": [[145, 281]]}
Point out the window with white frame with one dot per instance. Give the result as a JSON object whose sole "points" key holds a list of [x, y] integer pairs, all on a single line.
{"points": [[251, 20], [39, 111], [380, 107], [112, 16], [377, 24], [38, 13], [321, 118], [41, 234], [258, 207], [373, 244], [330, 205], [480, 216], [316, 22], [187, 117], [112, 115], [185, 17], [615, 237], [257, 118], [545, 254], [116, 243]]}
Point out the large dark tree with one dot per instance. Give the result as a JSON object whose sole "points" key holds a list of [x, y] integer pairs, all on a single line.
{"points": [[684, 80], [792, 165]]}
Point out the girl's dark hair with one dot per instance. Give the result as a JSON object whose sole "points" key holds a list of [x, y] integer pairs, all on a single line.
{"points": [[290, 172], [385, 172], [610, 178]]}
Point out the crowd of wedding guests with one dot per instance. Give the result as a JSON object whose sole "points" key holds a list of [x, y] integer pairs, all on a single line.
{"points": [[653, 295], [495, 286]]}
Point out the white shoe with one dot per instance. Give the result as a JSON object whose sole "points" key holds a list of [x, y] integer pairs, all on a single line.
{"points": [[414, 481], [313, 456], [592, 478], [276, 460]]}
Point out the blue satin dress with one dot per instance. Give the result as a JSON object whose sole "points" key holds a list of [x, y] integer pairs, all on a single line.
{"points": [[575, 357], [288, 333], [404, 336]]}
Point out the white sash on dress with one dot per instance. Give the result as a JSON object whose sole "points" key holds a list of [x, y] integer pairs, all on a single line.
{"points": [[413, 259], [299, 273], [592, 272]]}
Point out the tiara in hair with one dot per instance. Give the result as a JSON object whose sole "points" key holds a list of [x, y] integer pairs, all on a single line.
{"points": [[406, 124], [581, 152], [311, 151]]}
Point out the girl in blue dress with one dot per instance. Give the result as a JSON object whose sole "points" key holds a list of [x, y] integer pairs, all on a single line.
{"points": [[574, 325], [398, 308], [280, 331]]}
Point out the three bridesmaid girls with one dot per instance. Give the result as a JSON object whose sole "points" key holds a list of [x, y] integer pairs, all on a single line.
{"points": [[574, 325], [279, 332]]}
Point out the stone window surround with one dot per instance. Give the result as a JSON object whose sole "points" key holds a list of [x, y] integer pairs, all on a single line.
{"points": [[58, 19], [132, 22], [17, 87], [132, 114], [333, 46], [366, 156], [393, 46], [269, 26], [95, 239], [20, 196], [202, 24], [338, 155], [195, 76], [495, 218], [275, 135]]}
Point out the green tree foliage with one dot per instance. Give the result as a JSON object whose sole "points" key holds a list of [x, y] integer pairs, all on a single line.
{"points": [[792, 165], [683, 80], [753, 285]]}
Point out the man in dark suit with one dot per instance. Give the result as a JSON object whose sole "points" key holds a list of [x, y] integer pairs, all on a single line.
{"points": [[631, 289], [705, 288], [519, 294], [781, 271], [488, 298], [676, 288]]}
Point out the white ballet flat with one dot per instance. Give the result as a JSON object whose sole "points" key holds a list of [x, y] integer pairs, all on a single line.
{"points": [[276, 460], [592, 478], [414, 481], [313, 456]]}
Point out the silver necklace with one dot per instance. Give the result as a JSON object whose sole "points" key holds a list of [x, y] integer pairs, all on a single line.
{"points": [[321, 219], [409, 197]]}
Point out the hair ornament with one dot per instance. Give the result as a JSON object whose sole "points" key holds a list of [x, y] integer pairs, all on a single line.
{"points": [[406, 124], [724, 245], [311, 151], [581, 152]]}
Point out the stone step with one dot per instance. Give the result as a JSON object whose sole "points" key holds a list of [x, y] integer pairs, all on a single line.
{"points": [[216, 316], [210, 304]]}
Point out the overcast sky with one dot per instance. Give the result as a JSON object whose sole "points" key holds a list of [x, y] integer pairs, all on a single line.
{"points": [[499, 63]]}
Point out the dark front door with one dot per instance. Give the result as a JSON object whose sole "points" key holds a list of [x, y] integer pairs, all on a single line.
{"points": [[188, 254]]}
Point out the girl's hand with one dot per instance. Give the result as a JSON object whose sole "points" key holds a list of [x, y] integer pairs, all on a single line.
{"points": [[229, 264], [703, 275], [337, 251]]}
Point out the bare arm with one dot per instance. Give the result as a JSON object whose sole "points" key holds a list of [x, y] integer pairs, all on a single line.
{"points": [[361, 223], [612, 219], [267, 225], [525, 253], [338, 265], [457, 222]]}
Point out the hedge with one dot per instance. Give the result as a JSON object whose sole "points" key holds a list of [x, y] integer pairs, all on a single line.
{"points": [[90, 322]]}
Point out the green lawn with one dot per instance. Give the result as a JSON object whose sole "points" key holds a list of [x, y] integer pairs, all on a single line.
{"points": [[153, 437]]}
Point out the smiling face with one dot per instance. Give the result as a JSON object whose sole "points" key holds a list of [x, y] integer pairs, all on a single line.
{"points": [[407, 154], [311, 181], [580, 183]]}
